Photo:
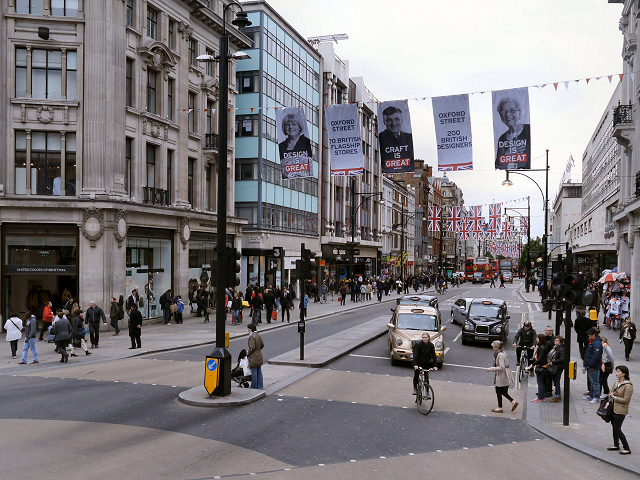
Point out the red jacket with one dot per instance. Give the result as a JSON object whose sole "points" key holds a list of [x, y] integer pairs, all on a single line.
{"points": [[47, 315]]}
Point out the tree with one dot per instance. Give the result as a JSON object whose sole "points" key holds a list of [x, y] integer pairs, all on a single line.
{"points": [[537, 250]]}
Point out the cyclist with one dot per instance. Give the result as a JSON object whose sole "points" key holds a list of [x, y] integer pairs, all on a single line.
{"points": [[524, 338], [424, 355]]}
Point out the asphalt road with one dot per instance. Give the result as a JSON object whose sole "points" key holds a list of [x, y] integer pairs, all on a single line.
{"points": [[354, 419]]}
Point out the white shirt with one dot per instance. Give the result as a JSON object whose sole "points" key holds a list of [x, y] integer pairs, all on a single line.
{"points": [[14, 332], [624, 305], [614, 306], [244, 363]]}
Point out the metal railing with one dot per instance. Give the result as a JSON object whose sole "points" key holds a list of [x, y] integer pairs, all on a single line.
{"points": [[156, 196], [622, 114], [211, 141]]}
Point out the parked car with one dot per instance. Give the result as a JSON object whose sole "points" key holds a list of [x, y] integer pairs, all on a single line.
{"points": [[478, 277], [407, 325], [508, 277], [459, 310], [487, 320]]}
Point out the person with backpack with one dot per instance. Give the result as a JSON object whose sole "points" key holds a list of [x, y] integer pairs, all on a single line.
{"points": [[114, 315]]}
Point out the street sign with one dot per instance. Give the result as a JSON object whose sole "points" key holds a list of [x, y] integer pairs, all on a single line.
{"points": [[211, 375]]}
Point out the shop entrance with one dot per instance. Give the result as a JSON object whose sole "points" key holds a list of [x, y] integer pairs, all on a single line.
{"points": [[31, 292]]}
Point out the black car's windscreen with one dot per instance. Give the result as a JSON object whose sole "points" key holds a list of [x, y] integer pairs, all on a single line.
{"points": [[412, 321], [482, 310]]}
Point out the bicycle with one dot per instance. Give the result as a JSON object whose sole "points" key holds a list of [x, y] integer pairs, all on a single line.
{"points": [[424, 392], [521, 370]]}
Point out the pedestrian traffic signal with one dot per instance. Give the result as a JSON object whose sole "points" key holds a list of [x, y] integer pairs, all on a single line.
{"points": [[313, 265], [233, 267], [589, 298], [214, 273], [574, 288], [557, 282]]}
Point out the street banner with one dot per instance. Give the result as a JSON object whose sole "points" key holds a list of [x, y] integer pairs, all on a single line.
{"points": [[454, 219], [453, 132], [345, 139], [511, 132], [394, 135], [296, 156], [495, 217], [434, 219], [475, 219], [465, 229]]}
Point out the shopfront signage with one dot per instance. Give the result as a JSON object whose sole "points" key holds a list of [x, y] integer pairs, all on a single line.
{"points": [[278, 252], [339, 251], [207, 225], [58, 269]]}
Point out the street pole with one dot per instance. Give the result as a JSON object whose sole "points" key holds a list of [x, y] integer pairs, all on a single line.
{"points": [[353, 228], [402, 244], [546, 229], [568, 324], [441, 235]]}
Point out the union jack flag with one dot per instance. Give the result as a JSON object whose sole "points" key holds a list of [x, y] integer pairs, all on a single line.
{"points": [[434, 219], [507, 233], [475, 219], [523, 225], [465, 229], [495, 214], [491, 235], [454, 219]]}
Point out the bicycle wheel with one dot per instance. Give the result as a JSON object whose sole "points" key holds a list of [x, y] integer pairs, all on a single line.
{"points": [[425, 399], [519, 373]]}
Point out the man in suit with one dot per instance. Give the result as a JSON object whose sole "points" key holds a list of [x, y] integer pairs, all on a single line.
{"points": [[135, 327], [394, 143]]}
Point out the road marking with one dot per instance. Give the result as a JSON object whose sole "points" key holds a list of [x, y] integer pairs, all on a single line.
{"points": [[368, 356], [458, 336], [464, 366], [446, 350]]}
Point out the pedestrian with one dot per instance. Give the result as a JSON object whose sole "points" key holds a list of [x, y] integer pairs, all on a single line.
{"points": [[256, 306], [114, 315], [621, 395], [555, 366], [286, 304], [254, 353], [30, 331], [133, 299], [502, 281], [502, 376], [368, 290], [62, 331], [278, 294], [323, 291], [47, 318], [78, 333], [592, 364], [493, 282], [179, 309], [380, 289], [305, 303], [628, 335], [135, 327], [608, 363], [540, 364], [236, 308], [93, 316], [424, 356], [343, 294], [269, 300], [165, 305], [582, 326], [13, 326]]}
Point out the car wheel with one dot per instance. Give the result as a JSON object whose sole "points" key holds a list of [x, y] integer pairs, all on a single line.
{"points": [[440, 365], [394, 362], [464, 340], [453, 317]]}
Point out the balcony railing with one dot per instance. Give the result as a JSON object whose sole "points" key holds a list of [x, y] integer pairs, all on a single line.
{"points": [[622, 114], [211, 141], [156, 196]]}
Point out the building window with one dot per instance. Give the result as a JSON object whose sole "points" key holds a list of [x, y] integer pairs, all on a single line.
{"points": [[46, 74], [130, 12], [246, 125], [151, 91], [170, 104], [21, 72], [247, 82], [70, 165], [190, 172], [72, 75], [172, 34], [30, 6], [192, 112], [129, 83], [151, 165], [208, 66], [45, 163], [127, 165], [64, 8], [169, 167], [152, 23], [209, 117], [209, 192], [193, 49]]}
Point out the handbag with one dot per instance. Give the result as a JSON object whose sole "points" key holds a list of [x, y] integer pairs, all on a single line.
{"points": [[540, 370], [274, 315], [210, 311], [608, 367], [82, 332], [173, 308], [605, 409]]}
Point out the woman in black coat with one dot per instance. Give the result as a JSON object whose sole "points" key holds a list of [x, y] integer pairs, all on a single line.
{"points": [[78, 325], [540, 364], [555, 365], [62, 331], [135, 327]]}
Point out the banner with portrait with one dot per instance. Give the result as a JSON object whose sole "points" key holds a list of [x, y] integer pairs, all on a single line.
{"points": [[453, 132], [344, 139], [394, 135], [293, 141], [511, 132]]}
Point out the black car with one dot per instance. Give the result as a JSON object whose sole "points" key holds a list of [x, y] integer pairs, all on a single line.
{"points": [[487, 320]]}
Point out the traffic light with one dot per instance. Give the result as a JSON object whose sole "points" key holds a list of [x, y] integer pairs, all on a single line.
{"points": [[574, 285], [233, 267], [313, 265], [214, 273], [557, 280]]}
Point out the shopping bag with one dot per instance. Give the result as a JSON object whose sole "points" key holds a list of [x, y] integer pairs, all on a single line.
{"points": [[274, 315], [605, 409], [245, 304], [339, 299]]}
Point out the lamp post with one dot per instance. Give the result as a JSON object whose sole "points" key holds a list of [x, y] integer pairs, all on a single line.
{"points": [[220, 352], [354, 210], [528, 269], [545, 201]]}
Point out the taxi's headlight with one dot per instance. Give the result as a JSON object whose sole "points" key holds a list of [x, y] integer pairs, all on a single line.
{"points": [[438, 345], [399, 342], [467, 326], [498, 329]]}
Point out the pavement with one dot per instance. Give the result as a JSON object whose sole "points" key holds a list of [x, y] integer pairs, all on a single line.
{"points": [[586, 431]]}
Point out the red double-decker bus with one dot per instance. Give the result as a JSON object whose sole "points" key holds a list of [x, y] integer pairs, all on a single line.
{"points": [[468, 269], [493, 264]]}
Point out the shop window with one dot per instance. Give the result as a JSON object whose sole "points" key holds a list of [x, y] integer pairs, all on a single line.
{"points": [[35, 7], [45, 163], [70, 165], [64, 8], [149, 270]]}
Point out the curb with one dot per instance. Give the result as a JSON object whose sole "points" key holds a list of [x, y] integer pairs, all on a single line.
{"points": [[232, 400]]}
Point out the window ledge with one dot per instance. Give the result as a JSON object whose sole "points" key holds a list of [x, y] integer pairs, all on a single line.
{"points": [[46, 18], [133, 30], [45, 101]]}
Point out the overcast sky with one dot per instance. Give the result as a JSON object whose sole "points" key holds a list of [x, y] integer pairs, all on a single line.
{"points": [[427, 48]]}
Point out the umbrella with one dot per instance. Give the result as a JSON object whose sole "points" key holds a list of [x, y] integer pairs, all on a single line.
{"points": [[615, 269], [608, 270], [611, 277]]}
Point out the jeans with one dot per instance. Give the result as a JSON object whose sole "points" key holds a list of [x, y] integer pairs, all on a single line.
{"points": [[277, 304], [556, 383], [541, 380], [166, 315], [618, 436], [593, 375], [256, 317], [94, 333], [114, 324], [256, 378], [30, 344], [236, 317], [379, 295]]}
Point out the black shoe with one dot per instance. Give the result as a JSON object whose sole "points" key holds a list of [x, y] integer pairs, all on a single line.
{"points": [[62, 360], [611, 449], [66, 359], [626, 359], [132, 348], [97, 346], [74, 355], [87, 352]]}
